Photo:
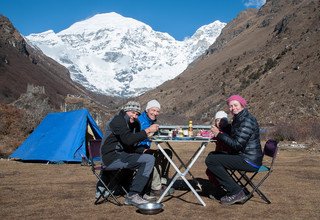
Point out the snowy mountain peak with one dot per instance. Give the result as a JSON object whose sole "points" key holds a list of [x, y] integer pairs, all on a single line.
{"points": [[210, 31], [120, 56], [110, 20]]}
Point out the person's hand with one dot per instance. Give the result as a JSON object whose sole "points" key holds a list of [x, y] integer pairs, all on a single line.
{"points": [[215, 131], [153, 128]]}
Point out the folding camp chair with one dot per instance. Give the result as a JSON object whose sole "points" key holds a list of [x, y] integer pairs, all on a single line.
{"points": [[250, 179], [112, 185]]}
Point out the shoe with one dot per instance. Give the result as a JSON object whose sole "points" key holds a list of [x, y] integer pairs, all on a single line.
{"points": [[134, 200], [103, 190], [149, 198], [164, 180], [161, 191], [217, 193], [213, 197], [239, 197]]}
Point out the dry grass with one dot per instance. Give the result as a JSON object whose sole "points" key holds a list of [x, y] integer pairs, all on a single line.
{"points": [[306, 130], [40, 191]]}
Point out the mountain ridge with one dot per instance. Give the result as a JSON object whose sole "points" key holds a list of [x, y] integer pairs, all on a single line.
{"points": [[119, 56], [22, 65], [270, 56]]}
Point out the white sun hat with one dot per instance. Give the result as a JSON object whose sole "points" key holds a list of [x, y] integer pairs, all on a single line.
{"points": [[221, 114]]}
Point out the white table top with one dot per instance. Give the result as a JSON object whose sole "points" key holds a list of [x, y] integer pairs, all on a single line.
{"points": [[181, 139]]}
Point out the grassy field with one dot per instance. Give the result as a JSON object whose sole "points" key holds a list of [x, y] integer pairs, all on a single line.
{"points": [[66, 191]]}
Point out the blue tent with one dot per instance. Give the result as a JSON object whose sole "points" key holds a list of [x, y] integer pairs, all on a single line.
{"points": [[60, 137]]}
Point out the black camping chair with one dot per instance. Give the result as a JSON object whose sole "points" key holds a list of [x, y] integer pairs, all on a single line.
{"points": [[97, 167], [251, 179]]}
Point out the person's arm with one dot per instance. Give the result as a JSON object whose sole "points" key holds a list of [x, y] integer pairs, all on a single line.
{"points": [[144, 124], [120, 128], [241, 136]]}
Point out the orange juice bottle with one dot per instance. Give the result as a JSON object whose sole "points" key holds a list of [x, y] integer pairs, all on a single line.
{"points": [[190, 129]]}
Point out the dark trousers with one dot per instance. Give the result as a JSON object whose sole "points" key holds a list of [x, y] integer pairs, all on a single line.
{"points": [[115, 179], [218, 164], [162, 166], [141, 163], [161, 162], [165, 164]]}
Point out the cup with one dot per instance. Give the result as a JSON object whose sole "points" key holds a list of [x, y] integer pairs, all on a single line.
{"points": [[150, 134], [174, 133]]}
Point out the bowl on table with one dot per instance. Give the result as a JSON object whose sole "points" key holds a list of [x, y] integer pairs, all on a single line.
{"points": [[151, 208]]}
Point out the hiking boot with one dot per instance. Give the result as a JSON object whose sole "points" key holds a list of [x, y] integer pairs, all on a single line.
{"points": [[161, 191], [217, 193], [134, 200], [103, 190], [239, 197], [149, 198]]}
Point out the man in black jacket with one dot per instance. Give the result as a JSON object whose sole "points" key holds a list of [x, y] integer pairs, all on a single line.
{"points": [[118, 146], [244, 140]]}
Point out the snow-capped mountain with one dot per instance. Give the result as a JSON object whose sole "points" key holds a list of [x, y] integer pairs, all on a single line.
{"points": [[120, 56]]}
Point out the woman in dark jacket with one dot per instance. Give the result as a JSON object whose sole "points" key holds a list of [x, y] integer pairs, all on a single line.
{"points": [[244, 140]]}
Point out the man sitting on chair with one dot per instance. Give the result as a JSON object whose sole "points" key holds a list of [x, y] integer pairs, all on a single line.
{"points": [[161, 168], [118, 145]]}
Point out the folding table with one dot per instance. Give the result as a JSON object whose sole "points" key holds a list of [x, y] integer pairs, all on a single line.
{"points": [[179, 170]]}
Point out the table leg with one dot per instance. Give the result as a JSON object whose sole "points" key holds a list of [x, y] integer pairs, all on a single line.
{"points": [[187, 170], [193, 160], [187, 164]]}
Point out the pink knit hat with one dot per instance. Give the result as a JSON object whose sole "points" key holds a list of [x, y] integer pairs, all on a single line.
{"points": [[238, 98]]}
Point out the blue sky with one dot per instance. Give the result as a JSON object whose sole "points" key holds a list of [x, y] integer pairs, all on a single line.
{"points": [[179, 18]]}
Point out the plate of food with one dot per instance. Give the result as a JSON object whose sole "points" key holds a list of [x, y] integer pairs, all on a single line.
{"points": [[205, 134]]}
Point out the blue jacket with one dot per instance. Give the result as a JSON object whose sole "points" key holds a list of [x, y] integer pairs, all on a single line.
{"points": [[145, 122]]}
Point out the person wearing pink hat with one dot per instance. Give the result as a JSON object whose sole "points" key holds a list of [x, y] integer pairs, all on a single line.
{"points": [[244, 140]]}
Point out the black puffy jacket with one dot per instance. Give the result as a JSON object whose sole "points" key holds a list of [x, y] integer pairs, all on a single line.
{"points": [[244, 137], [121, 135]]}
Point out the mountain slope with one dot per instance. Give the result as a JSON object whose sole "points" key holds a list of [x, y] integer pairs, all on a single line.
{"points": [[31, 85], [270, 56], [21, 65]]}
